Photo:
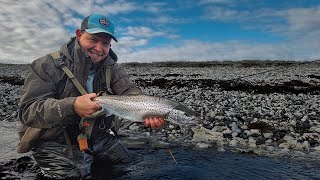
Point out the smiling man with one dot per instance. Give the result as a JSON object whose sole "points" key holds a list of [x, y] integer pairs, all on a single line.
{"points": [[57, 97]]}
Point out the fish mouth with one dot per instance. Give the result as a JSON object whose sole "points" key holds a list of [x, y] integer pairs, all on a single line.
{"points": [[190, 121]]}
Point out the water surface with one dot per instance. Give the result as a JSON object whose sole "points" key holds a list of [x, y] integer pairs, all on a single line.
{"points": [[210, 164]]}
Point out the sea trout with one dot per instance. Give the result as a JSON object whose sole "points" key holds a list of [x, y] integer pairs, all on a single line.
{"points": [[138, 107]]}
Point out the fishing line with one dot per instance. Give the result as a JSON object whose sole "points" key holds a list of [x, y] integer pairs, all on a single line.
{"points": [[171, 154]]}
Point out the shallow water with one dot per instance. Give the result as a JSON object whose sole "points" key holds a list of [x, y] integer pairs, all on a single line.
{"points": [[209, 164], [191, 163], [150, 163]]}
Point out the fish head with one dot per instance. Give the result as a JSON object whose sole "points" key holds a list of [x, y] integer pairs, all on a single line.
{"points": [[182, 115]]}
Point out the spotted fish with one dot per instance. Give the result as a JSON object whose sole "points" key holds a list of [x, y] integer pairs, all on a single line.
{"points": [[138, 107]]}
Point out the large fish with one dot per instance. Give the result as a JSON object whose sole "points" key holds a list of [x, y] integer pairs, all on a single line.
{"points": [[137, 107]]}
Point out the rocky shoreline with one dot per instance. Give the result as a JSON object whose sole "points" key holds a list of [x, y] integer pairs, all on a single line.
{"points": [[264, 108]]}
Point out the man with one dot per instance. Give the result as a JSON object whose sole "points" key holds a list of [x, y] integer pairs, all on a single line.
{"points": [[51, 105]]}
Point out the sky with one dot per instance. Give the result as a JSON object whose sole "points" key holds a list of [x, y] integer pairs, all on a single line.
{"points": [[169, 30]]}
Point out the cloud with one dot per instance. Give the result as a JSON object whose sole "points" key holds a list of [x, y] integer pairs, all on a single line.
{"points": [[216, 1], [31, 29], [35, 28], [152, 7], [232, 50], [303, 19], [293, 20], [142, 32], [130, 42], [300, 27]]}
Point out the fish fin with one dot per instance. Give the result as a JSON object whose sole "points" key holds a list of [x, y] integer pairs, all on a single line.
{"points": [[108, 113], [127, 124]]}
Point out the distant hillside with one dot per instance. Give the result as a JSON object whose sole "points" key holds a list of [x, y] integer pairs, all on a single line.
{"points": [[243, 63]]}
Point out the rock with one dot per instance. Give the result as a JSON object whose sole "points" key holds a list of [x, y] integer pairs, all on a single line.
{"points": [[252, 142], [244, 127], [203, 145], [284, 145], [299, 153], [235, 129], [306, 145], [234, 134], [304, 118], [171, 126], [269, 142], [218, 128], [233, 143], [298, 114], [260, 140], [315, 129], [285, 150], [227, 131], [293, 123], [299, 147], [205, 135], [255, 131], [311, 136], [317, 148], [269, 148], [268, 135], [288, 138], [171, 137], [221, 149]]}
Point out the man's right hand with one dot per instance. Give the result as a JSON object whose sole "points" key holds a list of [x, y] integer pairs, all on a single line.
{"points": [[84, 106]]}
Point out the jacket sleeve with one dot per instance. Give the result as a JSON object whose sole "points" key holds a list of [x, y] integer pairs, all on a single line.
{"points": [[121, 83], [39, 106]]}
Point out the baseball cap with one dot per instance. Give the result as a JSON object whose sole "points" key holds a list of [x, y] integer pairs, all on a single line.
{"points": [[97, 23]]}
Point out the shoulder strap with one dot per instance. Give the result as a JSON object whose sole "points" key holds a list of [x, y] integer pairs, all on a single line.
{"points": [[59, 62], [108, 79], [74, 80], [57, 57]]}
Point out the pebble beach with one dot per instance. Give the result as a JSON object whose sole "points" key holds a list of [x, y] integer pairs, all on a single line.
{"points": [[265, 108], [268, 108]]}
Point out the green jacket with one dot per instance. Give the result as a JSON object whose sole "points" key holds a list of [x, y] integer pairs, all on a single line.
{"points": [[47, 97]]}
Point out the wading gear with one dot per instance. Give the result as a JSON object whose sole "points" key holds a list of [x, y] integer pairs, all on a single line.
{"points": [[46, 106]]}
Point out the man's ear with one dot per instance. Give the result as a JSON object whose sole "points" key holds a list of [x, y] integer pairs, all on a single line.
{"points": [[78, 33]]}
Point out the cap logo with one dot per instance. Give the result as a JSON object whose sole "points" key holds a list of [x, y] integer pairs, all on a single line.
{"points": [[104, 22]]}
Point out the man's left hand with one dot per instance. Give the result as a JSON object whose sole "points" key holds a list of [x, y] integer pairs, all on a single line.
{"points": [[154, 122]]}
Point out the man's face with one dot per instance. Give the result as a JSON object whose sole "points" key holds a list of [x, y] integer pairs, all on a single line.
{"points": [[96, 46]]}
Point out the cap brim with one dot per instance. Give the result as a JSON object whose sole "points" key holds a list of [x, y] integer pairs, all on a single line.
{"points": [[99, 30]]}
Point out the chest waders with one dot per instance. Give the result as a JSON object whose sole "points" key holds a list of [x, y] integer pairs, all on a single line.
{"points": [[86, 124]]}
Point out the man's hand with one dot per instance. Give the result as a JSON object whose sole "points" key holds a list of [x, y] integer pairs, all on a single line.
{"points": [[154, 122], [84, 106]]}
